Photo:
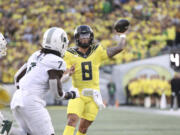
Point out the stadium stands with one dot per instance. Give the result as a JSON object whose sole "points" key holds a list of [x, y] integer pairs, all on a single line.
{"points": [[153, 25]]}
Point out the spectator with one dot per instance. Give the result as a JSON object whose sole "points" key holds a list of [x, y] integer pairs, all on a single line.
{"points": [[177, 24], [175, 86], [111, 92], [128, 93]]}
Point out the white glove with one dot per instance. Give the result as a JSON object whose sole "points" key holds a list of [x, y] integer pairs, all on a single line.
{"points": [[76, 91], [98, 99]]}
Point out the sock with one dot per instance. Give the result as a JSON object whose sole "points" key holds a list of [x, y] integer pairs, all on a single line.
{"points": [[79, 133], [69, 130]]}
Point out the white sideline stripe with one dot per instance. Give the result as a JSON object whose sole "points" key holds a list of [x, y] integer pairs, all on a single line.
{"points": [[148, 110]]}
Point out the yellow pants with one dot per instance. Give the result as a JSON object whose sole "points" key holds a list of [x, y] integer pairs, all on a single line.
{"points": [[84, 107]]}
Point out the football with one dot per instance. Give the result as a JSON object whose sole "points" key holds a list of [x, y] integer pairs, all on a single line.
{"points": [[121, 25]]}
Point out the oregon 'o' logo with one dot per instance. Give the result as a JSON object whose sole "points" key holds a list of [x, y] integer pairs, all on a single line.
{"points": [[133, 72]]}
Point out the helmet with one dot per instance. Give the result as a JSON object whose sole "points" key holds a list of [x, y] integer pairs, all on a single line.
{"points": [[84, 32], [55, 39], [3, 44]]}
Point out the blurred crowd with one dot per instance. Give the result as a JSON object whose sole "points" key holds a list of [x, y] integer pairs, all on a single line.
{"points": [[153, 87], [148, 86], [140, 87], [154, 26]]}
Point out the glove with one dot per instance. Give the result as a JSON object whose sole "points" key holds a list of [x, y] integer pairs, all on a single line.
{"points": [[98, 99], [75, 90]]}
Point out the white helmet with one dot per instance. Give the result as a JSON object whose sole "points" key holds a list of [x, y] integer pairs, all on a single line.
{"points": [[55, 39], [3, 44]]}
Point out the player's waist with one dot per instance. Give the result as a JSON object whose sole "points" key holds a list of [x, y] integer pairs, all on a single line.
{"points": [[33, 87], [31, 97], [33, 91], [80, 88], [85, 82]]}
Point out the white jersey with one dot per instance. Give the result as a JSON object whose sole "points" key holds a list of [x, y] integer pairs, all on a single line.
{"points": [[36, 79]]}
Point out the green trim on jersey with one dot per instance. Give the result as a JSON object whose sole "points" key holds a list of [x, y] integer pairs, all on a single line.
{"points": [[74, 50]]}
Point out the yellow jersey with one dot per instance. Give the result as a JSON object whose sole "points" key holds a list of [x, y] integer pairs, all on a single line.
{"points": [[87, 65]]}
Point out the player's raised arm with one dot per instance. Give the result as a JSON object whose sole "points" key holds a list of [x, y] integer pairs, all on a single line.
{"points": [[121, 26], [117, 49]]}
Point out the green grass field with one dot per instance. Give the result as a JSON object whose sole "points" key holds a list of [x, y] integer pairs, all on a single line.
{"points": [[119, 122]]}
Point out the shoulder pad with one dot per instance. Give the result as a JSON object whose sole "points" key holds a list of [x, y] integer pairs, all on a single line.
{"points": [[94, 47], [33, 58], [54, 62], [72, 50]]}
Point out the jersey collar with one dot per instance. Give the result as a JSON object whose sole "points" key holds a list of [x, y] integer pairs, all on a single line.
{"points": [[82, 54]]}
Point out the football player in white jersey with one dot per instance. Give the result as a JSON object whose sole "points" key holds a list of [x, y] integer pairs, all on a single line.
{"points": [[42, 72], [5, 125]]}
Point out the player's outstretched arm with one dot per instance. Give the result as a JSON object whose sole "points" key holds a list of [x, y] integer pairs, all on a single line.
{"points": [[56, 86], [55, 83], [117, 49]]}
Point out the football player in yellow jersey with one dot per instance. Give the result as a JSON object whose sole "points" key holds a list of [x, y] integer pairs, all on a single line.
{"points": [[5, 125], [84, 61]]}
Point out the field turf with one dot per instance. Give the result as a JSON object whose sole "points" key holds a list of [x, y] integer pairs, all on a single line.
{"points": [[121, 121]]}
